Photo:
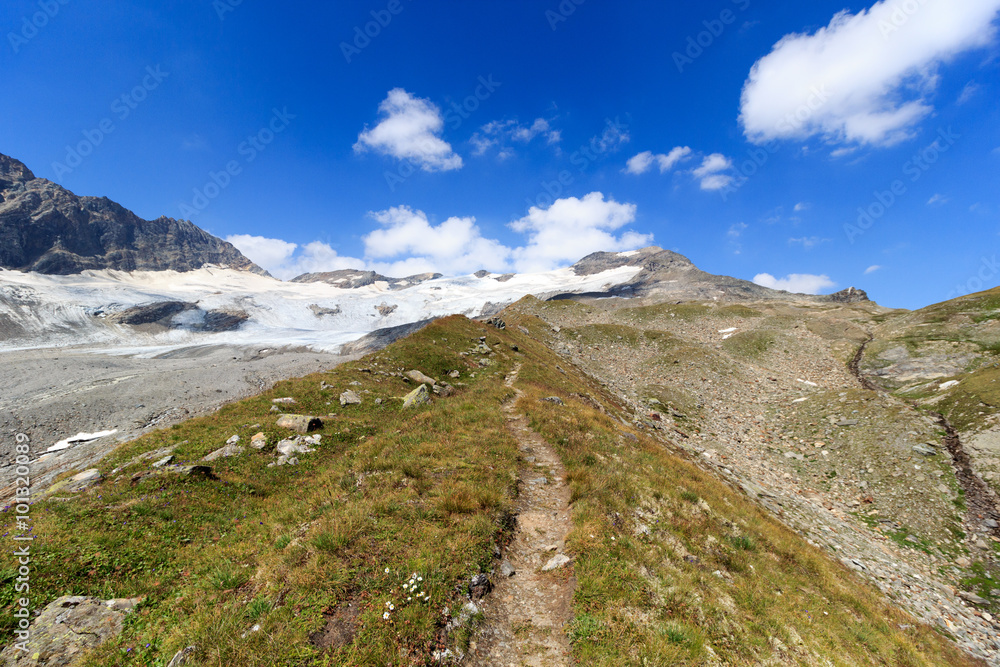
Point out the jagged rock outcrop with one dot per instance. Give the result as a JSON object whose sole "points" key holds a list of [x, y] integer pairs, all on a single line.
{"points": [[849, 295], [48, 229]]}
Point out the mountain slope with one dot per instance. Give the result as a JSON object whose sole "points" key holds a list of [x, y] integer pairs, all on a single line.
{"points": [[48, 229], [364, 552], [763, 392]]}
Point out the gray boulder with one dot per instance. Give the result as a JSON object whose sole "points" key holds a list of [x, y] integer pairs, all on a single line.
{"points": [[417, 376], [225, 452], [349, 397], [419, 396], [300, 423], [67, 629]]}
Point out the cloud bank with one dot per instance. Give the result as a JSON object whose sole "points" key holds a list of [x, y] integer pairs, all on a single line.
{"points": [[407, 242]]}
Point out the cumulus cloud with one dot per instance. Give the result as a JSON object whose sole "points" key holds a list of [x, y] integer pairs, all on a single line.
{"points": [[572, 228], [640, 164], [408, 238], [711, 172], [802, 206], [410, 129], [866, 78], [937, 200], [872, 269], [500, 133], [286, 260], [799, 283]]}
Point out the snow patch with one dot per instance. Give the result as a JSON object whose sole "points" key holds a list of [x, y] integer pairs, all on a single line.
{"points": [[79, 438]]}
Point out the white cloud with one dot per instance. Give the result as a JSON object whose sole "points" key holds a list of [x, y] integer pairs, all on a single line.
{"points": [[733, 234], [799, 283], [937, 200], [280, 259], [843, 152], [539, 127], [415, 245], [410, 130], [615, 135], [640, 164], [872, 269], [406, 242], [710, 172], [864, 78], [802, 206], [670, 160], [968, 92], [499, 133], [572, 228], [807, 242]]}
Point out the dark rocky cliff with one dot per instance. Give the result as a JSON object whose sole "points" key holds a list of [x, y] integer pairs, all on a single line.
{"points": [[48, 229]]}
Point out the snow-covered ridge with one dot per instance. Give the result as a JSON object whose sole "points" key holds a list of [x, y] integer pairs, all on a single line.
{"points": [[39, 311]]}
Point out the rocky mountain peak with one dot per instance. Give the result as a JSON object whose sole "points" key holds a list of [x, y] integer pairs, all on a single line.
{"points": [[849, 295], [47, 229], [13, 171]]}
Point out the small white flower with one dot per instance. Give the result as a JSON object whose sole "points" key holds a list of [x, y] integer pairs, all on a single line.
{"points": [[392, 608], [387, 570], [420, 578], [409, 599], [388, 604], [386, 616]]}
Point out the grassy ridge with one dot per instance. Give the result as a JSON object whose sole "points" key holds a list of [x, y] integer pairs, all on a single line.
{"points": [[673, 566]]}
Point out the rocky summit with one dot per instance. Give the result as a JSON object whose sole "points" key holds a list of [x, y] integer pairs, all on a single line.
{"points": [[47, 229]]}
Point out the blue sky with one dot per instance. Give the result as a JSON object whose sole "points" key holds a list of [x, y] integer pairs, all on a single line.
{"points": [[749, 136]]}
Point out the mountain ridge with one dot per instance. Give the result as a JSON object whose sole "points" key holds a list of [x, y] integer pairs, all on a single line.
{"points": [[47, 229]]}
